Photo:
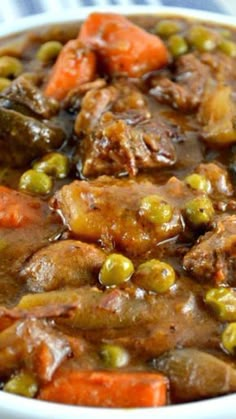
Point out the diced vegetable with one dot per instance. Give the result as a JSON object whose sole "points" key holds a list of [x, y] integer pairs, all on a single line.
{"points": [[228, 47], [217, 113], [199, 211], [155, 276], [113, 356], [53, 164], [4, 83], [124, 47], [198, 182], [223, 302], [229, 338], [177, 45], [75, 65], [16, 210], [154, 209], [202, 38], [115, 270], [10, 67], [49, 51], [106, 389], [167, 27], [23, 384], [35, 182]]}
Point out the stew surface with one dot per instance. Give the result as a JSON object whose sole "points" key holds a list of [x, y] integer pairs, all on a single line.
{"points": [[117, 211]]}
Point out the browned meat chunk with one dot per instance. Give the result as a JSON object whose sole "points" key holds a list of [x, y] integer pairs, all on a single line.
{"points": [[218, 177], [108, 211], [116, 134], [94, 104], [63, 263], [196, 375], [186, 90], [23, 343], [25, 97], [214, 256], [116, 146]]}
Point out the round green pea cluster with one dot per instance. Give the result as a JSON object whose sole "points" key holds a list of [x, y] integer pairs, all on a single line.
{"points": [[39, 179], [198, 36]]}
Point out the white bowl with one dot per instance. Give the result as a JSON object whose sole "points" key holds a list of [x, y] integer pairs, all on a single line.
{"points": [[15, 407]]}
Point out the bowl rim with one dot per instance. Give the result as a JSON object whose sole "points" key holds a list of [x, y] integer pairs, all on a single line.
{"points": [[12, 404]]}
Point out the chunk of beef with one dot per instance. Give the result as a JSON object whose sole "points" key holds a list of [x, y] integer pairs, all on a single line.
{"points": [[107, 211], [23, 138], [75, 96], [195, 375], [119, 97], [115, 133], [119, 144], [186, 90], [63, 263], [218, 177], [23, 95], [94, 104], [23, 343], [214, 255]]}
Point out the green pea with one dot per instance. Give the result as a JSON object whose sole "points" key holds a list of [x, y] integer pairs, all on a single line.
{"points": [[223, 303], [35, 182], [49, 51], [228, 338], [228, 47], [23, 384], [166, 27], [115, 270], [53, 164], [154, 209], [198, 182], [114, 356], [225, 33], [155, 276], [177, 45], [10, 67], [199, 211], [4, 83], [202, 38]]}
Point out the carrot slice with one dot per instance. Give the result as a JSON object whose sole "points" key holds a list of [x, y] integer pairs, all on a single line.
{"points": [[106, 389], [124, 47], [75, 65], [17, 209]]}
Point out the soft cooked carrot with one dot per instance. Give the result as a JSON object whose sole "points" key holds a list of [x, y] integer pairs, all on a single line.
{"points": [[124, 47], [17, 209], [106, 389], [75, 65]]}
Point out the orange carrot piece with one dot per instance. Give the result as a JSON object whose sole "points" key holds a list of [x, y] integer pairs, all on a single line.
{"points": [[124, 47], [17, 209], [106, 389], [75, 65]]}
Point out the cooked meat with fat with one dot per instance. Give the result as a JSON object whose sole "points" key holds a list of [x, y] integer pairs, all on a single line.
{"points": [[213, 257]]}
